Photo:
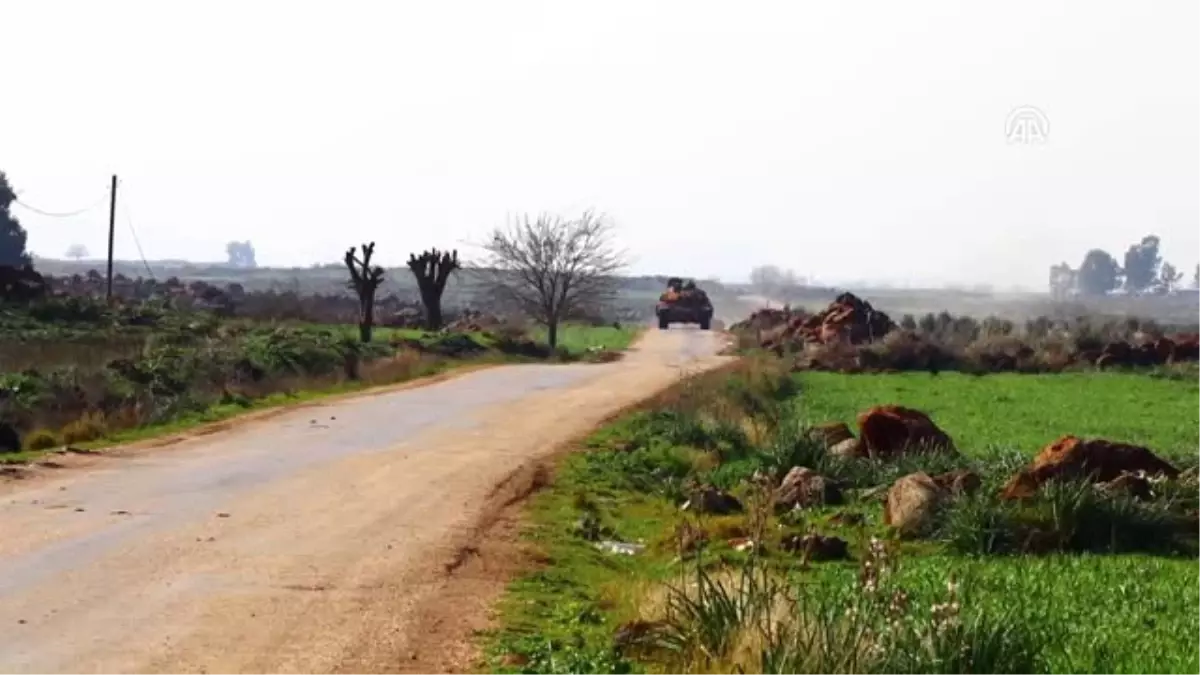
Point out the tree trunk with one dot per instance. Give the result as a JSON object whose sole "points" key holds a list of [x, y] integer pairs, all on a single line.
{"points": [[367, 322], [433, 308], [552, 334]]}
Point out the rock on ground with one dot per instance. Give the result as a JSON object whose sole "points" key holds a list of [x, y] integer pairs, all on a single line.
{"points": [[802, 487], [815, 547], [892, 430], [712, 500], [1097, 461], [912, 503]]}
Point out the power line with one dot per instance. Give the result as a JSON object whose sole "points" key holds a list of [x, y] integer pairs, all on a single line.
{"points": [[133, 233], [66, 214]]}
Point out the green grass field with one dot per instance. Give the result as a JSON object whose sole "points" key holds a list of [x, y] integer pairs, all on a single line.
{"points": [[576, 338], [1087, 612], [1120, 613], [1008, 410]]}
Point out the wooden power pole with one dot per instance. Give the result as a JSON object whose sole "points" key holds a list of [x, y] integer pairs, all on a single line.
{"points": [[112, 228]]}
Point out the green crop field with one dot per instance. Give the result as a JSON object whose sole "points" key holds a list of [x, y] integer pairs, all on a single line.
{"points": [[1026, 412], [1121, 613]]}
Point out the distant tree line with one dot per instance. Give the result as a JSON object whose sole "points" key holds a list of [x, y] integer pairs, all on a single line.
{"points": [[1144, 271]]}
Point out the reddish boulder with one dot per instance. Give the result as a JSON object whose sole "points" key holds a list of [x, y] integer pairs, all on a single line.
{"points": [[891, 430], [1097, 461]]}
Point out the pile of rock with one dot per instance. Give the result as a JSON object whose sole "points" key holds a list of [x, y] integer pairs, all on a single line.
{"points": [[767, 319], [847, 320], [1151, 352]]}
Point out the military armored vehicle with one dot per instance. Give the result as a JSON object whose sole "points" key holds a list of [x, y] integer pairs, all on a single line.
{"points": [[683, 303]]}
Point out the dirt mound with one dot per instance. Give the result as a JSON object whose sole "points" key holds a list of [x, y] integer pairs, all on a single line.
{"points": [[847, 320], [1098, 461]]}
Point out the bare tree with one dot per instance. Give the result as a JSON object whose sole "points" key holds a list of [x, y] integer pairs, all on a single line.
{"points": [[364, 280], [432, 269], [552, 268]]}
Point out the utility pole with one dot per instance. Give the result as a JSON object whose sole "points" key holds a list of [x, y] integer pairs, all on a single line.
{"points": [[112, 228]]}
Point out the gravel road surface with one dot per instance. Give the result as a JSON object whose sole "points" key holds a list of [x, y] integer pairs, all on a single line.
{"points": [[315, 540]]}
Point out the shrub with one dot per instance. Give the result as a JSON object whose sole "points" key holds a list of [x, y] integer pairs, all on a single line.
{"points": [[42, 439], [89, 427]]}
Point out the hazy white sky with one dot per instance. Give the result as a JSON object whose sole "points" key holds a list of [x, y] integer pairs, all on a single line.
{"points": [[844, 140]]}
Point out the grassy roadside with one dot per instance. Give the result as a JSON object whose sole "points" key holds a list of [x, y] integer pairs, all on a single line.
{"points": [[690, 601], [95, 431], [304, 393]]}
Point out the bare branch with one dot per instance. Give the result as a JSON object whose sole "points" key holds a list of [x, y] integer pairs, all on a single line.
{"points": [[551, 268]]}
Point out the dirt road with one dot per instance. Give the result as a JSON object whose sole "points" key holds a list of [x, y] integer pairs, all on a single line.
{"points": [[317, 540]]}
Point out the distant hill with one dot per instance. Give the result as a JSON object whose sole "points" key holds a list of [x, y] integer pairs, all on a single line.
{"points": [[328, 278]]}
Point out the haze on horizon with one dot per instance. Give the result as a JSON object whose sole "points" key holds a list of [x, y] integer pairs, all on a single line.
{"points": [[843, 143]]}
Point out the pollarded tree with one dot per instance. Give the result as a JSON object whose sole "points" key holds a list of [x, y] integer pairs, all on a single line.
{"points": [[554, 269], [12, 236], [432, 269], [365, 281]]}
